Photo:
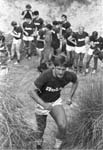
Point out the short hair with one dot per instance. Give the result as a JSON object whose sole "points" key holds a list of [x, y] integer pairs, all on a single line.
{"points": [[65, 16], [55, 22], [35, 13], [94, 33], [59, 60], [13, 23], [28, 6], [49, 26]]}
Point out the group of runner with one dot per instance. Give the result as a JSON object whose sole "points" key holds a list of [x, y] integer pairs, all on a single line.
{"points": [[59, 49], [47, 40]]}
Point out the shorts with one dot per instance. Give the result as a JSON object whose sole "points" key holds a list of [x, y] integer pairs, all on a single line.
{"points": [[70, 48], [16, 41], [90, 51], [81, 49], [40, 45], [41, 111], [28, 38]]}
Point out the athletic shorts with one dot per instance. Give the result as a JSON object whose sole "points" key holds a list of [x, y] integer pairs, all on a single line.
{"points": [[41, 111], [28, 38], [16, 41], [70, 48], [81, 49], [90, 51]]}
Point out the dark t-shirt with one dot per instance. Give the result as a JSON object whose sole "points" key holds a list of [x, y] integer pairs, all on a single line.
{"points": [[55, 41], [98, 43], [73, 38], [50, 86], [65, 26], [16, 31], [29, 28], [38, 23], [80, 38]]}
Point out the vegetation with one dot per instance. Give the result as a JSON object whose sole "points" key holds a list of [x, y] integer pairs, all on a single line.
{"points": [[86, 130]]}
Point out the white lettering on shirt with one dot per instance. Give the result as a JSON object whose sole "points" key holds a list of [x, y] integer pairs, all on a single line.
{"points": [[52, 90]]}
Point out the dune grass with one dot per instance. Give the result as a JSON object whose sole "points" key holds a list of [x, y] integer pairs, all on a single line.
{"points": [[86, 131]]}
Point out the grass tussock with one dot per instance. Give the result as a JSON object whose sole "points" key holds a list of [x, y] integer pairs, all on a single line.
{"points": [[86, 131], [15, 133]]}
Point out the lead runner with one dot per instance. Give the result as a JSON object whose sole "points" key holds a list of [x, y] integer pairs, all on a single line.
{"points": [[46, 93]]}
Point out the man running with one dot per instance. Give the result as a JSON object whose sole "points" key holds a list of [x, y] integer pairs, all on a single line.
{"points": [[80, 49], [46, 93]]}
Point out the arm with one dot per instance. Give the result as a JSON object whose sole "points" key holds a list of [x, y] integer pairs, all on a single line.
{"points": [[73, 89], [16, 35], [72, 92], [33, 94]]}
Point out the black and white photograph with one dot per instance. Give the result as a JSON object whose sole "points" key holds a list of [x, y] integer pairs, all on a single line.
{"points": [[51, 74]]}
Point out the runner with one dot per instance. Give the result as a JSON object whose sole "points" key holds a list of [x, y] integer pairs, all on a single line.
{"points": [[46, 93], [17, 39], [28, 36], [65, 24], [38, 22], [70, 47], [80, 49], [27, 13], [96, 46]]}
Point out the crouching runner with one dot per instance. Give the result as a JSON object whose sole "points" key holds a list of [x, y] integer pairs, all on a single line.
{"points": [[46, 93]]}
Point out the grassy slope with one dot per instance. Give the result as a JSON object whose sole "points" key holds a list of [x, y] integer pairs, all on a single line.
{"points": [[20, 79]]}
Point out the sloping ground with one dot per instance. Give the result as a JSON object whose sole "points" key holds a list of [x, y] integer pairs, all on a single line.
{"points": [[20, 79]]}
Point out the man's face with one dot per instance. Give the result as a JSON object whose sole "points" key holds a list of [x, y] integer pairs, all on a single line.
{"points": [[59, 71], [81, 30], [63, 19]]}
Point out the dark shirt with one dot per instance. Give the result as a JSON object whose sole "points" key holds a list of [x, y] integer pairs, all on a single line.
{"points": [[50, 86], [73, 38], [16, 31], [80, 38], [38, 23], [65, 26], [98, 43], [55, 41], [29, 28]]}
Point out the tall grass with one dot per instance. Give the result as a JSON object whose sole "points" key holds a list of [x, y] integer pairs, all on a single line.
{"points": [[15, 133], [86, 131]]}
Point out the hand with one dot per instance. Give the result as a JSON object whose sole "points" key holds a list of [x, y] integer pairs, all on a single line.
{"points": [[69, 101], [48, 106]]}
